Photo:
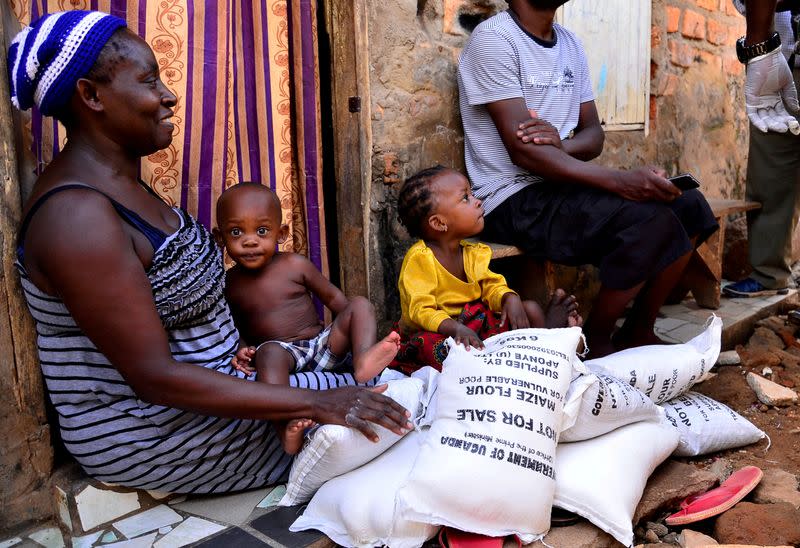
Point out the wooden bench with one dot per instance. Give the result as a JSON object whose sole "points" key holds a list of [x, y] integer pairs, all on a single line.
{"points": [[536, 280], [703, 274]]}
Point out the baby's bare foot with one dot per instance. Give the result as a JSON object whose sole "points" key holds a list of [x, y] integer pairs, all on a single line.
{"points": [[375, 359], [562, 311], [292, 435]]}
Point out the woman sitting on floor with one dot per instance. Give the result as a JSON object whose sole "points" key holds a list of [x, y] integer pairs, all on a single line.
{"points": [[135, 338]]}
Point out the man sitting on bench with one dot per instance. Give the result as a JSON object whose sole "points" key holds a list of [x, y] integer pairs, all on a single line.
{"points": [[531, 129]]}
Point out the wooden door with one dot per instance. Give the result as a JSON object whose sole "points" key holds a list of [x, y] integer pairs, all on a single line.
{"points": [[616, 37]]}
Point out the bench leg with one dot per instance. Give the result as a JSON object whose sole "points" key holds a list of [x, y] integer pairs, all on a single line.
{"points": [[538, 280]]}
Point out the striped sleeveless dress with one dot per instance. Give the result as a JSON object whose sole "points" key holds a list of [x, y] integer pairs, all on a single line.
{"points": [[118, 438]]}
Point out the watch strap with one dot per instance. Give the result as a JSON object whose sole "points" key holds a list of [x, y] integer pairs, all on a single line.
{"points": [[746, 53]]}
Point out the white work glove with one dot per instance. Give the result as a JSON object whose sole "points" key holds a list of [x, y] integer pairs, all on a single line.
{"points": [[768, 85]]}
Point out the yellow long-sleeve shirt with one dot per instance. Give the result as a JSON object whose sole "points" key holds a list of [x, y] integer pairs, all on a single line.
{"points": [[429, 294]]}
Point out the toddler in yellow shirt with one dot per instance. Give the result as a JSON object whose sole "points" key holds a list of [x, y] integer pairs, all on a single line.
{"points": [[446, 287]]}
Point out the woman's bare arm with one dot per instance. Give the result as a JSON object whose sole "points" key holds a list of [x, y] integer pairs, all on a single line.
{"points": [[77, 242]]}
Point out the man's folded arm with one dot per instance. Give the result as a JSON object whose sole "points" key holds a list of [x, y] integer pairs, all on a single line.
{"points": [[548, 161], [587, 141]]}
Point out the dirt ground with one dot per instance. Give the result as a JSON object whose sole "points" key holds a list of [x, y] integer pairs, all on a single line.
{"points": [[782, 425]]}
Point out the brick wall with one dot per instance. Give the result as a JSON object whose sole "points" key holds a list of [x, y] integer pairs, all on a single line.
{"points": [[703, 31], [697, 119]]}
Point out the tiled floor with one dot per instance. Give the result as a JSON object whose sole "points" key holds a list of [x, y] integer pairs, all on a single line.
{"points": [[251, 519], [241, 520]]}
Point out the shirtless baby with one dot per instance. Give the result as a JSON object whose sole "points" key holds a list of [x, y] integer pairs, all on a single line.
{"points": [[269, 293]]}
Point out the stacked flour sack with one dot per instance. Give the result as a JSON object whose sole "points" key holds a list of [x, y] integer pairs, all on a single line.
{"points": [[488, 462], [482, 459], [631, 411], [506, 432]]}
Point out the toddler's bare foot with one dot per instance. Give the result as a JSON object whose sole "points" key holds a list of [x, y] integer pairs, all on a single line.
{"points": [[562, 311], [575, 320], [375, 359], [292, 435]]}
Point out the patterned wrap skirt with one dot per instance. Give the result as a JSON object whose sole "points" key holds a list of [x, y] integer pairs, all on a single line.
{"points": [[421, 348]]}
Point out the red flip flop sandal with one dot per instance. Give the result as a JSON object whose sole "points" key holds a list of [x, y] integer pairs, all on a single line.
{"points": [[716, 501], [453, 538]]}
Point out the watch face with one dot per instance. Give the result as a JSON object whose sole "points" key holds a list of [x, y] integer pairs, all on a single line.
{"points": [[740, 51]]}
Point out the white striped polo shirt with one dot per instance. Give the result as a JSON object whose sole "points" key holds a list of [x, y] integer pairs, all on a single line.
{"points": [[503, 61]]}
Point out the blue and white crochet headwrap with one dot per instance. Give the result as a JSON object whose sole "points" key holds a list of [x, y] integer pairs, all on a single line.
{"points": [[47, 58]]}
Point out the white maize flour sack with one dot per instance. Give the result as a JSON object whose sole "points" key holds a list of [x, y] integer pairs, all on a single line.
{"points": [[602, 479], [333, 450], [662, 371], [597, 404], [487, 465], [706, 425], [357, 509]]}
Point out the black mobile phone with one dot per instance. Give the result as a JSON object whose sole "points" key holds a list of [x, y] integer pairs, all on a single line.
{"points": [[685, 181]]}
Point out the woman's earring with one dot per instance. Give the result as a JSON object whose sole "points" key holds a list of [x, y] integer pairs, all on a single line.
{"points": [[445, 228]]}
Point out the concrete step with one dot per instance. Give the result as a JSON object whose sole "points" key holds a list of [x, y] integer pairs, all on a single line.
{"points": [[678, 323]]}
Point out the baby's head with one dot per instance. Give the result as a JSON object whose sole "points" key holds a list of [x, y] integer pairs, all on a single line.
{"points": [[249, 224], [437, 202]]}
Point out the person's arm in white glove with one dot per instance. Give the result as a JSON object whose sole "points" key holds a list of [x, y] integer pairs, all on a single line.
{"points": [[769, 87]]}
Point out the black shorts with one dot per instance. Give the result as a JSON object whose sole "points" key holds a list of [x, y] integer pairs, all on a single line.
{"points": [[571, 224]]}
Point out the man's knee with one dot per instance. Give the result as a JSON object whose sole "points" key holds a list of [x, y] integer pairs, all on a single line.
{"points": [[694, 213], [690, 202], [655, 220]]}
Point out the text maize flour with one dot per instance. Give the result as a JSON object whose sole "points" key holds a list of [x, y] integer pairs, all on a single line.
{"points": [[487, 464]]}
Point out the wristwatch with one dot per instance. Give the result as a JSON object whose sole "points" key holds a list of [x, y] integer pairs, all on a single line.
{"points": [[745, 53]]}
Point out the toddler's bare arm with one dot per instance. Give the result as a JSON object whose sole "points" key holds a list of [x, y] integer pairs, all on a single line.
{"points": [[330, 295]]}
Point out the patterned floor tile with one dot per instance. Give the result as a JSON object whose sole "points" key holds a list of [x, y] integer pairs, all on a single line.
{"points": [[234, 537], [275, 525], [232, 509]]}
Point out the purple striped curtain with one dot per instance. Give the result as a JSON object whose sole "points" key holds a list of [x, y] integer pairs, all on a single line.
{"points": [[245, 73]]}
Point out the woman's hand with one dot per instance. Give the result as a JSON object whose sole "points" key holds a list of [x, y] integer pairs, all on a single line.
{"points": [[358, 407]]}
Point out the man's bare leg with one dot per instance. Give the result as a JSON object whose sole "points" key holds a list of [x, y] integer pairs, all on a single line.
{"points": [[273, 364], [608, 307], [638, 329]]}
